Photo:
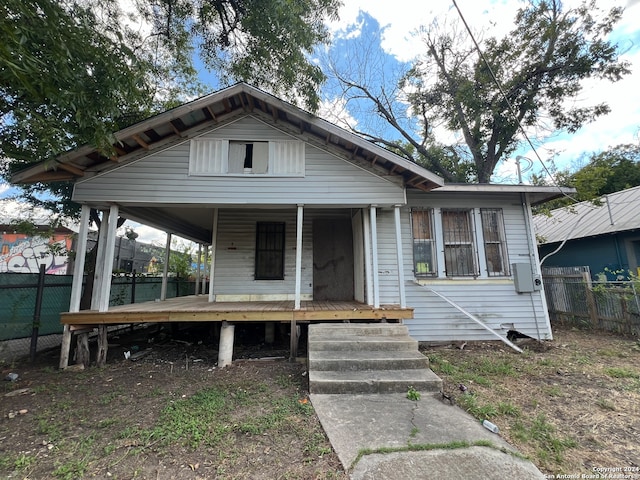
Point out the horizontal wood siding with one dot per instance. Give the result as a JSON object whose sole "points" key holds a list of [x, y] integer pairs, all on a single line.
{"points": [[235, 253], [163, 178], [492, 300]]}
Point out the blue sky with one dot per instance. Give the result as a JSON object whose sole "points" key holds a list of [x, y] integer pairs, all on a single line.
{"points": [[386, 27]]}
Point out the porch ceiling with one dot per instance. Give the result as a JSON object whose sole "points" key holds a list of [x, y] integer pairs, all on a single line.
{"points": [[214, 110]]}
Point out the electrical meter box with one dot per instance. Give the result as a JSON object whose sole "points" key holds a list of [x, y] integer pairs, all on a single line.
{"points": [[524, 279]]}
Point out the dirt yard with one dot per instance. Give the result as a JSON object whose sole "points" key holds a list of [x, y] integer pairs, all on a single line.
{"points": [[571, 405]]}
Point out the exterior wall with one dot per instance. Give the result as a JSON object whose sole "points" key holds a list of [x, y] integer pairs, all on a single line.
{"points": [[493, 300], [612, 252], [235, 254], [163, 177]]}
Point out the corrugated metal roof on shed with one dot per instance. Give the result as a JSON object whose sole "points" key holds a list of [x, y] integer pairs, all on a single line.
{"points": [[616, 212]]}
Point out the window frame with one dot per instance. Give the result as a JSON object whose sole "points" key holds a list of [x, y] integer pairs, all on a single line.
{"points": [[499, 241], [450, 245], [428, 242], [264, 228]]}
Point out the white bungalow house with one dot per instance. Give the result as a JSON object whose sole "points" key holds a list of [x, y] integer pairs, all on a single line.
{"points": [[303, 215]]}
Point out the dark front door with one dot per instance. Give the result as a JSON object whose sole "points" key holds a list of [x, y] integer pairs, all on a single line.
{"points": [[332, 259]]}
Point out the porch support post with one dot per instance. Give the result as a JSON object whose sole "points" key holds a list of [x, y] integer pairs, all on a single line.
{"points": [[76, 285], [298, 257], [197, 289], [214, 241], [96, 294], [165, 268], [204, 277], [109, 251], [374, 259], [399, 257], [367, 256], [225, 350]]}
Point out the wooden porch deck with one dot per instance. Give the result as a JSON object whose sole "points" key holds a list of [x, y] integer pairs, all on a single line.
{"points": [[198, 309]]}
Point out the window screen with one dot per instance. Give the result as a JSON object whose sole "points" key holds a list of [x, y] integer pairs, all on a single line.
{"points": [[495, 245], [424, 258], [459, 250], [269, 251]]}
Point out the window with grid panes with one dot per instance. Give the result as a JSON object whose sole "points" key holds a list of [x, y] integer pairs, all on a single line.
{"points": [[495, 245], [459, 248], [269, 251], [424, 258]]}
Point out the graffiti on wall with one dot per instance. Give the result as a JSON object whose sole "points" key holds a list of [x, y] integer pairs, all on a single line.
{"points": [[22, 254]]}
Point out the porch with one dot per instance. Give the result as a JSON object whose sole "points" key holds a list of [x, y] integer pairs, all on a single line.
{"points": [[197, 308]]}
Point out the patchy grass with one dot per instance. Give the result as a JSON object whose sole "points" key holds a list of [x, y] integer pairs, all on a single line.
{"points": [[570, 405], [158, 419]]}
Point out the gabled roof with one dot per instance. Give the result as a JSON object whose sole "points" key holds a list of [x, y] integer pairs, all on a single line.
{"points": [[191, 119], [616, 212]]}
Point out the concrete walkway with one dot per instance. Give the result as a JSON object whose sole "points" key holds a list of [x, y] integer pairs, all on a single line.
{"points": [[457, 442]]}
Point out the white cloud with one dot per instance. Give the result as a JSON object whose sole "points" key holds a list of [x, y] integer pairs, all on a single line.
{"points": [[335, 111]]}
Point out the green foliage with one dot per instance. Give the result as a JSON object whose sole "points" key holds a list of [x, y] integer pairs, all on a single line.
{"points": [[72, 73], [540, 66], [608, 171], [541, 433], [413, 394]]}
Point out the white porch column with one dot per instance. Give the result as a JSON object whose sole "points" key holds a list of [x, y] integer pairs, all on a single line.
{"points": [[197, 289], [78, 266], [374, 255], [214, 241], [204, 263], [298, 257], [76, 286], [165, 268], [96, 293], [399, 257], [109, 252], [368, 278]]}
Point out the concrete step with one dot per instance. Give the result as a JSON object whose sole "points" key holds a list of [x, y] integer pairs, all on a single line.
{"points": [[367, 360], [360, 329], [359, 343], [373, 381]]}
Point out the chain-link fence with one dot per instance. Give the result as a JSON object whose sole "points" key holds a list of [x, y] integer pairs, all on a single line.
{"points": [[19, 314]]}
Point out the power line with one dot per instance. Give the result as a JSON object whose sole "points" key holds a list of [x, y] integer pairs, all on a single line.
{"points": [[506, 99]]}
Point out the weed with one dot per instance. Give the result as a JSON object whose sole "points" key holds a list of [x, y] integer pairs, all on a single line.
{"points": [[491, 366], [107, 422], [470, 404], [554, 391], [413, 394], [285, 381], [107, 398], [507, 408], [541, 434], [414, 431], [23, 462], [605, 404], [71, 469], [616, 372]]}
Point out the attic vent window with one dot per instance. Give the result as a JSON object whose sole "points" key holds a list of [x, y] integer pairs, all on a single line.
{"points": [[239, 158]]}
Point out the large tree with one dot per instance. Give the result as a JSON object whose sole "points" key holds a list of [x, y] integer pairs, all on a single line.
{"points": [[74, 71], [529, 79]]}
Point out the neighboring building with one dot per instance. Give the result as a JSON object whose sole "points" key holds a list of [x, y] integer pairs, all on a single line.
{"points": [[297, 209], [603, 236], [20, 253]]}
